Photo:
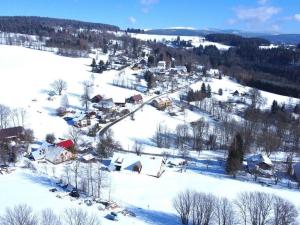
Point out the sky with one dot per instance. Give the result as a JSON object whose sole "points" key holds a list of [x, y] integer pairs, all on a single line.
{"points": [[278, 16]]}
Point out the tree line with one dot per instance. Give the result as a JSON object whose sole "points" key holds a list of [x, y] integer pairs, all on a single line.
{"points": [[249, 208]]}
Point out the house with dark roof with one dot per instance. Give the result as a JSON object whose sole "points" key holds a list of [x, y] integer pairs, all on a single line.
{"points": [[136, 99], [12, 133]]}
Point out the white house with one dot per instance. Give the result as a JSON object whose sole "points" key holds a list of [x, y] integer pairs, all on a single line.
{"points": [[58, 155], [38, 149], [161, 65], [148, 165]]}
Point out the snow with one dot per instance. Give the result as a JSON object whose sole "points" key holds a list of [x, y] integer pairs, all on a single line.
{"points": [[28, 74], [196, 40], [149, 197]]}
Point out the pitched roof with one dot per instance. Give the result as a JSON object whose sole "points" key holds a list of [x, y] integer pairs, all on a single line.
{"points": [[11, 132], [259, 158], [137, 98], [66, 144]]}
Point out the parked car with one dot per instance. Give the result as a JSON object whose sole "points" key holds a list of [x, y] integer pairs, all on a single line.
{"points": [[88, 202], [74, 194], [53, 190], [113, 216]]}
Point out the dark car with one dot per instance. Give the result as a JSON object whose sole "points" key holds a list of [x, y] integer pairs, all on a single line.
{"points": [[74, 194], [53, 190]]}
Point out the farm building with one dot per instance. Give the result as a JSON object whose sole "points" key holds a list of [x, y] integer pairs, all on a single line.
{"points": [[162, 103], [148, 165], [11, 133], [260, 160]]}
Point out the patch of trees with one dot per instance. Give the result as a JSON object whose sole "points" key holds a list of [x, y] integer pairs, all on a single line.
{"points": [[133, 30], [275, 70], [235, 40], [249, 208], [23, 214], [43, 26], [199, 95], [107, 144]]}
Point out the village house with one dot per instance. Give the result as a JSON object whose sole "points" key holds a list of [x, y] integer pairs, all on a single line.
{"points": [[106, 105], [161, 65], [162, 103], [261, 164], [120, 101], [67, 144], [57, 155], [135, 99], [38, 150], [82, 120], [96, 99], [12, 133], [147, 165]]}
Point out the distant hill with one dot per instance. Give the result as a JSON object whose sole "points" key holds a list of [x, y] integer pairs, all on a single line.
{"points": [[34, 25], [291, 39], [273, 38]]}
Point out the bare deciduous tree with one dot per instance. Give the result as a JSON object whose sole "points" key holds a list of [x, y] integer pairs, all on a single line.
{"points": [[224, 212], [255, 208], [86, 96], [4, 116], [183, 205], [21, 214], [48, 217], [59, 86], [79, 217], [284, 212]]}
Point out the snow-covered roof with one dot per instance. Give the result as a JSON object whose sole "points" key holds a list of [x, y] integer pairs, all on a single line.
{"points": [[88, 157], [150, 165], [259, 158], [53, 153]]}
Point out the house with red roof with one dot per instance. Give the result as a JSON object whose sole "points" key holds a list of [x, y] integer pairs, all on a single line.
{"points": [[67, 144]]}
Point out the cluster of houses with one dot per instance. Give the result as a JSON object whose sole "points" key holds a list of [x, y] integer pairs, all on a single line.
{"points": [[103, 110]]}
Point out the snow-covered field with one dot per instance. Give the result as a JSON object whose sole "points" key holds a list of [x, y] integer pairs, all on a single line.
{"points": [[26, 75], [150, 198], [196, 41]]}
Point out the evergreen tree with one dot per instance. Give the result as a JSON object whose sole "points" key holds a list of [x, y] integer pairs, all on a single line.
{"points": [[208, 91], [236, 155], [220, 91], [203, 88], [274, 107], [93, 63]]}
